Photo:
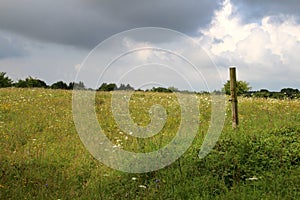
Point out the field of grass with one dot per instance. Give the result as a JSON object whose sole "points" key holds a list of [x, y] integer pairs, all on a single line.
{"points": [[42, 157]]}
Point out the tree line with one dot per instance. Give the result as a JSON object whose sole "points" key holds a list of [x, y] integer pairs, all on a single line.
{"points": [[284, 93], [31, 82], [243, 88]]}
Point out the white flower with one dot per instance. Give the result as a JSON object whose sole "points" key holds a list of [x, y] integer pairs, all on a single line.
{"points": [[254, 178], [142, 186], [133, 178]]}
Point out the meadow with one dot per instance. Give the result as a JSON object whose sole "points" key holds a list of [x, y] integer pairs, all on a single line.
{"points": [[42, 156]]}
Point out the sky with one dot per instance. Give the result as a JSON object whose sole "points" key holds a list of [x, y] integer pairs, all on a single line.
{"points": [[77, 39]]}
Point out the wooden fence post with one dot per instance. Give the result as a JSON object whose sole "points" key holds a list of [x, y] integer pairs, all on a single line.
{"points": [[234, 101]]}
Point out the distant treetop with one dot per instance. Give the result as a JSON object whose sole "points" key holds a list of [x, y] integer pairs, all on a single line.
{"points": [[4, 80]]}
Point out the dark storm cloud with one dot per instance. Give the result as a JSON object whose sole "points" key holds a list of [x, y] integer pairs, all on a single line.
{"points": [[85, 23], [256, 9]]}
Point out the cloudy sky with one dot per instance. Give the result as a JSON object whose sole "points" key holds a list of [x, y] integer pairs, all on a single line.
{"points": [[51, 40]]}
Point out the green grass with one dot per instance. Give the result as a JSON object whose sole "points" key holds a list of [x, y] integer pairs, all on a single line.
{"points": [[42, 157]]}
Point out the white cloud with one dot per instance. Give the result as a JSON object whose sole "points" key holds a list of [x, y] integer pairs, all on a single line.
{"points": [[265, 52], [143, 53]]}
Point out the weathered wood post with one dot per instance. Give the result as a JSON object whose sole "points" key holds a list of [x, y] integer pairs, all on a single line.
{"points": [[234, 101]]}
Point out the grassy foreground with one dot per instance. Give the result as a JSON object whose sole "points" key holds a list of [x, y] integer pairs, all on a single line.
{"points": [[42, 157]]}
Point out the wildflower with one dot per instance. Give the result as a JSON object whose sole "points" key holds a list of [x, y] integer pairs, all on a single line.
{"points": [[142, 186], [133, 178], [254, 178]]}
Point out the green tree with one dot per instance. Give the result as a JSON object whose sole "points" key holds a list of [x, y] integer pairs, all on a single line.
{"points": [[125, 87], [107, 87], [77, 86], [241, 87], [173, 89], [290, 92], [31, 82], [59, 85], [161, 89], [71, 86], [5, 81]]}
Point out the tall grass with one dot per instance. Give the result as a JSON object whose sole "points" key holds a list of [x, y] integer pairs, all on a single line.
{"points": [[42, 157]]}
